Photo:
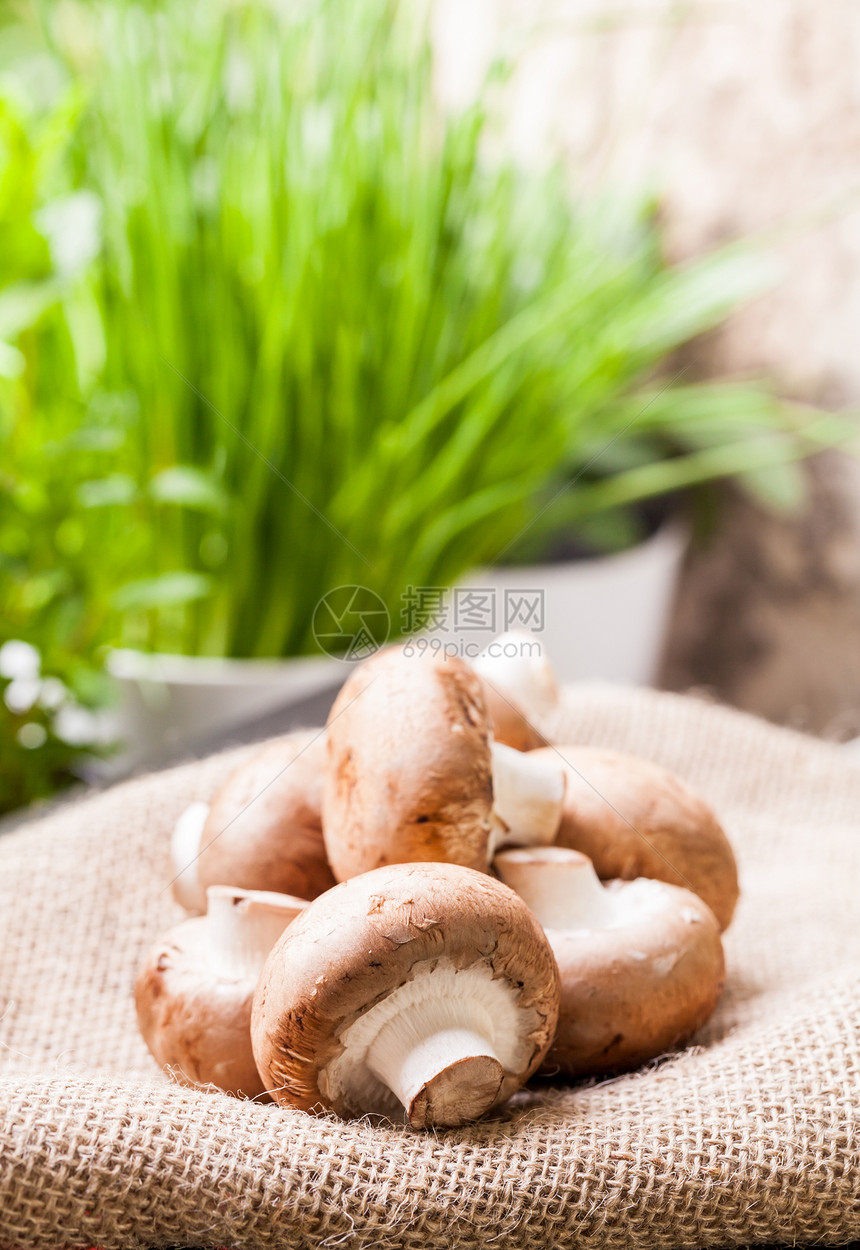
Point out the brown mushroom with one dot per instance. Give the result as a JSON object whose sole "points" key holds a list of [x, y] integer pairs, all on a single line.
{"points": [[641, 962], [633, 818], [519, 688], [262, 830], [194, 990], [424, 987], [413, 775]]}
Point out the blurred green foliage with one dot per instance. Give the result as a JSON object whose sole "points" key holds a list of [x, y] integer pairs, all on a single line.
{"points": [[272, 322], [52, 445]]}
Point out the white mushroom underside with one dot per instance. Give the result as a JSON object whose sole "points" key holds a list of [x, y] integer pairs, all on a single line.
{"points": [[243, 926], [563, 891], [439, 1016], [511, 667], [528, 794], [185, 854], [636, 902]]}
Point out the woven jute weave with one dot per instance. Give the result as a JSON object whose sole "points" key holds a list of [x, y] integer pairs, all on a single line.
{"points": [[750, 1136]]}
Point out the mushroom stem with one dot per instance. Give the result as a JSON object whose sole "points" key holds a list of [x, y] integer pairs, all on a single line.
{"points": [[510, 665], [528, 796], [185, 854], [559, 886], [436, 1057], [243, 926]]}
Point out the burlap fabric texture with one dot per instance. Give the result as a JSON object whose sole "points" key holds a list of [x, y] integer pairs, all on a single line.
{"points": [[750, 1136]]}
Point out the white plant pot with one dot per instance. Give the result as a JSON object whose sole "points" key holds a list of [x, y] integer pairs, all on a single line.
{"points": [[169, 701], [603, 618]]}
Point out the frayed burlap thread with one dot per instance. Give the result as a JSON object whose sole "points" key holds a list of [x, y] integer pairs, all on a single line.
{"points": [[752, 1135]]}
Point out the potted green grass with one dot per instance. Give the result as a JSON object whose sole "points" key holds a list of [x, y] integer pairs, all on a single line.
{"points": [[594, 573], [303, 330]]}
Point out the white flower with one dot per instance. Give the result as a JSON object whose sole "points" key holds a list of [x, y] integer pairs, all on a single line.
{"points": [[52, 693], [21, 694], [32, 736], [19, 659], [76, 725]]}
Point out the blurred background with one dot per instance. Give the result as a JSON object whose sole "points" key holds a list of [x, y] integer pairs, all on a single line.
{"points": [[329, 321]]}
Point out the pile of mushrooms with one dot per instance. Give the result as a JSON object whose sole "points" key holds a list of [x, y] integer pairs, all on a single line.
{"points": [[414, 910]]}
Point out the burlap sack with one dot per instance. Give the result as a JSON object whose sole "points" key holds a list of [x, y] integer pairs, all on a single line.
{"points": [[752, 1136]]}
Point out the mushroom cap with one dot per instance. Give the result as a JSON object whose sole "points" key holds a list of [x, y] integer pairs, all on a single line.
{"points": [[508, 721], [409, 776], [196, 1026], [185, 843], [264, 828], [358, 945], [193, 998], [633, 818], [639, 987]]}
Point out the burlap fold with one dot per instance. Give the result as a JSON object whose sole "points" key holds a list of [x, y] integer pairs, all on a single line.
{"points": [[751, 1136]]}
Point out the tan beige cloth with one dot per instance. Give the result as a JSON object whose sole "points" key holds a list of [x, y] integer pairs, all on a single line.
{"points": [[751, 1136]]}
